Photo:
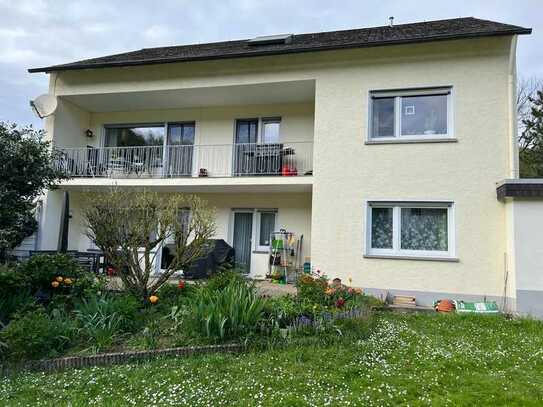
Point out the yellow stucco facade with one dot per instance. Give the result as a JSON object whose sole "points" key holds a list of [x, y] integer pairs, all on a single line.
{"points": [[331, 111]]}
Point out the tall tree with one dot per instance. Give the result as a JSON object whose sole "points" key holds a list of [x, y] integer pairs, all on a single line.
{"points": [[531, 146], [26, 170]]}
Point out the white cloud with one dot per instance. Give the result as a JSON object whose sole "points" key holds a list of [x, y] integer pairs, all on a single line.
{"points": [[38, 32], [10, 55], [11, 33], [156, 32]]}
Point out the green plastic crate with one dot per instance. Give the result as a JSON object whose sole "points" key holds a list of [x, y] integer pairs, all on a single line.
{"points": [[477, 307]]}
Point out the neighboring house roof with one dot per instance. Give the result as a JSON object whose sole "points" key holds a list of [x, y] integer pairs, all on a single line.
{"points": [[520, 188], [457, 28]]}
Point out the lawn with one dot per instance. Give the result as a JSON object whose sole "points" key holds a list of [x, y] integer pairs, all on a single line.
{"points": [[406, 360]]}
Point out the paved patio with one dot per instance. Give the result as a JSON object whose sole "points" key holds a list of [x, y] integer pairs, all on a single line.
{"points": [[266, 287]]}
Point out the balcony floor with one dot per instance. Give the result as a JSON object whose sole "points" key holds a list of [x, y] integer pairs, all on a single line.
{"points": [[249, 184]]}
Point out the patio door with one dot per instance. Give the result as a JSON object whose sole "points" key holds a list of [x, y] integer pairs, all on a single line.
{"points": [[258, 151], [244, 143], [180, 148], [242, 239]]}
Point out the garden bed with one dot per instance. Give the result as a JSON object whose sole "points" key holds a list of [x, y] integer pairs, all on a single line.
{"points": [[50, 308]]}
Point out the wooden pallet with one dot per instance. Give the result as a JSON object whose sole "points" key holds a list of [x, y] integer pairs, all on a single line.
{"points": [[404, 301]]}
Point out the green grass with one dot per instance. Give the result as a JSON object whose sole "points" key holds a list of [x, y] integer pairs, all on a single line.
{"points": [[408, 359]]}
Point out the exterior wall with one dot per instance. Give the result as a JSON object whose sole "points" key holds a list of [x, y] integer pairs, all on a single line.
{"points": [[527, 232], [68, 124], [348, 172], [214, 125], [293, 214]]}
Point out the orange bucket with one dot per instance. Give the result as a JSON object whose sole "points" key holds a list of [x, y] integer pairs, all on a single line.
{"points": [[445, 306]]}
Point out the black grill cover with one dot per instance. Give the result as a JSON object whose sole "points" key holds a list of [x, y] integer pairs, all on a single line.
{"points": [[220, 253]]}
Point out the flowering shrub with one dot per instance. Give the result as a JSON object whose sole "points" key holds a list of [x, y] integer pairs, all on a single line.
{"points": [[341, 295], [57, 274], [316, 289], [312, 288]]}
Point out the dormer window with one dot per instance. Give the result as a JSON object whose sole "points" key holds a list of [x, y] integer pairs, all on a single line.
{"points": [[271, 39]]}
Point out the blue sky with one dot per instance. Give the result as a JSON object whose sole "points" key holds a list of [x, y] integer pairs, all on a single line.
{"points": [[37, 33]]}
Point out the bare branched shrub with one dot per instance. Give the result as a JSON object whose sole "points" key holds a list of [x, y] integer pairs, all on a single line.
{"points": [[130, 228]]}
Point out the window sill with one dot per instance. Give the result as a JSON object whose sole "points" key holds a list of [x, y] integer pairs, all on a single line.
{"points": [[413, 141], [423, 258], [261, 251]]}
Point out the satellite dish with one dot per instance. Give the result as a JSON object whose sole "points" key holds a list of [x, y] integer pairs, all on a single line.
{"points": [[44, 105]]}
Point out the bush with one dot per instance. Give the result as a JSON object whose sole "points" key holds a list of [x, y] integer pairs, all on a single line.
{"points": [[36, 335], [43, 272], [231, 312], [313, 289], [42, 269], [283, 311], [14, 293]]}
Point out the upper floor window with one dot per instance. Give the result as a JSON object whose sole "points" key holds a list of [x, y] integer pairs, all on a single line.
{"points": [[410, 115], [266, 130]]}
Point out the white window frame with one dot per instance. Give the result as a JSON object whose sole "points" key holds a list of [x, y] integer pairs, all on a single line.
{"points": [[255, 232], [397, 251], [397, 95], [263, 122], [258, 219], [260, 127]]}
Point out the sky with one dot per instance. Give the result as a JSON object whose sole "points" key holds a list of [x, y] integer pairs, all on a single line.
{"points": [[36, 33]]}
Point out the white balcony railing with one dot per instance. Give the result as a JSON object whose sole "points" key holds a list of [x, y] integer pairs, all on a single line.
{"points": [[224, 160]]}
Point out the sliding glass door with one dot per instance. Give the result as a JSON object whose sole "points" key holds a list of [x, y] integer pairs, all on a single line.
{"points": [[180, 148], [257, 152], [245, 138], [242, 240], [132, 149]]}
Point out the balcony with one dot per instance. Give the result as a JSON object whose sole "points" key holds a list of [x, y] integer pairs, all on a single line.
{"points": [[186, 161]]}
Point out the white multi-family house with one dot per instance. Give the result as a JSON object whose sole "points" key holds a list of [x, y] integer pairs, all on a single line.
{"points": [[383, 147]]}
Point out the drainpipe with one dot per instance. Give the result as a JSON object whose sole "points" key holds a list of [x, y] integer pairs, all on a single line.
{"points": [[513, 124]]}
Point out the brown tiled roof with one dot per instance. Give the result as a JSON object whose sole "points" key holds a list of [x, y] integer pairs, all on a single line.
{"points": [[457, 28]]}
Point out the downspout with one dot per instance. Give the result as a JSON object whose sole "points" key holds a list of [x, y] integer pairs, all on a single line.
{"points": [[513, 124], [510, 269]]}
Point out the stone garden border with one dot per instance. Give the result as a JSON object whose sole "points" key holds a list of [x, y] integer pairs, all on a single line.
{"points": [[117, 358]]}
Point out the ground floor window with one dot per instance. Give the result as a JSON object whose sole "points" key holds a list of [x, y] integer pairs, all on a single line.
{"points": [[410, 229], [265, 225]]}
